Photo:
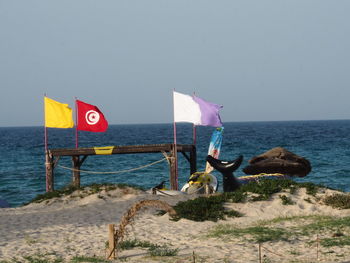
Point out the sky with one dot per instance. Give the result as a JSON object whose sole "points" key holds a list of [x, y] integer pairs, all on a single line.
{"points": [[262, 60]]}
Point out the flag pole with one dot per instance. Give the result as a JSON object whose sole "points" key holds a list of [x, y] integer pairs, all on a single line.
{"points": [[46, 148], [76, 124], [45, 129], [175, 147], [194, 130], [194, 134]]}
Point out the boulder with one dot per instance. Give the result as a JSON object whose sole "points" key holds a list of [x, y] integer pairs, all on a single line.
{"points": [[278, 160]]}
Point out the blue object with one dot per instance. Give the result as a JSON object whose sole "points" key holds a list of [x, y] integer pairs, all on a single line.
{"points": [[4, 204]]}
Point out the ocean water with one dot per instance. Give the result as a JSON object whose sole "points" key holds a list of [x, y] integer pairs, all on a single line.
{"points": [[326, 144]]}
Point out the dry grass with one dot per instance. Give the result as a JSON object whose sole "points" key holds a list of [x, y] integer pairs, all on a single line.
{"points": [[128, 217]]}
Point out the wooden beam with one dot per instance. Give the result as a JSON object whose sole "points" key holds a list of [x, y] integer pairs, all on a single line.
{"points": [[186, 156], [75, 153], [82, 160], [125, 149]]}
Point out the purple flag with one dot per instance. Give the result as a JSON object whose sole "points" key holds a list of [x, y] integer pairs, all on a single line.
{"points": [[196, 110], [209, 112]]}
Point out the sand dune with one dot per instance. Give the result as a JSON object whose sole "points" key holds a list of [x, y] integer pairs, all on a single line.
{"points": [[73, 226]]}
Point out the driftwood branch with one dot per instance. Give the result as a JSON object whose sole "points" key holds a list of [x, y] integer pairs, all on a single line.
{"points": [[128, 218]]}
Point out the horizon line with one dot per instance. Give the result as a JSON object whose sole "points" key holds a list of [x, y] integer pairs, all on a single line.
{"points": [[170, 123]]}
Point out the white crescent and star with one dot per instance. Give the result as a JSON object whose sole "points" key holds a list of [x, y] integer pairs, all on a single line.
{"points": [[92, 117]]}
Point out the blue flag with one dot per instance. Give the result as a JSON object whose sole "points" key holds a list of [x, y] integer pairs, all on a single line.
{"points": [[214, 146]]}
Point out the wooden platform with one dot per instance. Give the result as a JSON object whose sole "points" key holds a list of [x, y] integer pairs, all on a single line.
{"points": [[79, 155]]}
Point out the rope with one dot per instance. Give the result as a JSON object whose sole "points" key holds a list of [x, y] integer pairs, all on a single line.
{"points": [[195, 192], [200, 188], [159, 191], [115, 172], [272, 252]]}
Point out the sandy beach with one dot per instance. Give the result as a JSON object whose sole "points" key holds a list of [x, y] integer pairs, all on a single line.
{"points": [[76, 226]]}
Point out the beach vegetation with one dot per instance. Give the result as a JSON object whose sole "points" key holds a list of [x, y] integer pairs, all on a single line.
{"points": [[47, 258], [204, 208], [233, 213], [35, 258], [286, 200], [30, 241], [266, 187], [129, 216], [162, 251], [212, 207], [330, 230], [83, 259], [295, 252], [308, 200], [154, 250], [324, 223], [258, 234], [292, 189], [336, 241], [132, 243], [311, 188], [84, 191], [341, 201]]}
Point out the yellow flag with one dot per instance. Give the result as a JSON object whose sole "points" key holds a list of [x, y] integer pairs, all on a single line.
{"points": [[57, 115]]}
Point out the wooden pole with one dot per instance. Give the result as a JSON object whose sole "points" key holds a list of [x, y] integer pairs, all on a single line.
{"points": [[260, 253], [49, 172], [175, 172], [76, 171], [194, 134], [193, 160], [111, 241], [48, 157], [318, 244], [173, 165], [76, 124]]}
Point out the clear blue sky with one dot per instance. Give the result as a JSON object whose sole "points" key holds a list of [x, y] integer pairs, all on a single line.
{"points": [[261, 60]]}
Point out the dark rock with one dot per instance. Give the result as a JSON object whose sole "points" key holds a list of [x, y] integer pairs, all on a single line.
{"points": [[278, 160]]}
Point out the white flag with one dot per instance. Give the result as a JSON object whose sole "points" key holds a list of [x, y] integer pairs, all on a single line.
{"points": [[186, 109], [196, 110]]}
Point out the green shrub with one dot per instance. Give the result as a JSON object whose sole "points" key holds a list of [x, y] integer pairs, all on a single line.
{"points": [[129, 244], [153, 249], [162, 251], [256, 234], [266, 187], [233, 213], [286, 200], [212, 208], [41, 258], [83, 259], [341, 201], [235, 197], [336, 241], [201, 209], [311, 188], [88, 190]]}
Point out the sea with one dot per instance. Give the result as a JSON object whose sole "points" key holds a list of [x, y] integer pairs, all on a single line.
{"points": [[326, 144]]}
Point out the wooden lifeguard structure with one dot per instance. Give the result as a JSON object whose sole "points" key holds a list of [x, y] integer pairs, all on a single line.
{"points": [[79, 155]]}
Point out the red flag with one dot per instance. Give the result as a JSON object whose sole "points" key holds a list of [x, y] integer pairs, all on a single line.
{"points": [[90, 118]]}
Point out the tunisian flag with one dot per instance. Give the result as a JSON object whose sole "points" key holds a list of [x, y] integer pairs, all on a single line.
{"points": [[90, 118]]}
